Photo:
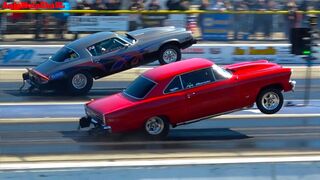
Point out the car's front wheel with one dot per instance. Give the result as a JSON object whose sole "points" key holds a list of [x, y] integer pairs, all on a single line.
{"points": [[156, 127], [270, 101], [169, 54], [80, 83]]}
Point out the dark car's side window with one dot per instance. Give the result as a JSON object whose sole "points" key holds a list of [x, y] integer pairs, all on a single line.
{"points": [[64, 54], [105, 46], [197, 78], [175, 85]]}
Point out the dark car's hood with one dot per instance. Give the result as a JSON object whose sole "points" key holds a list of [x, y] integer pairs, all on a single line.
{"points": [[153, 33], [110, 103], [249, 67]]}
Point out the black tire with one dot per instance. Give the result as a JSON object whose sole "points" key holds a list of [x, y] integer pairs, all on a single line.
{"points": [[173, 49], [270, 101], [158, 133], [82, 88]]}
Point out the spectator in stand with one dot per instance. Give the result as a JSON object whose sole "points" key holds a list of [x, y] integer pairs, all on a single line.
{"points": [[136, 5], [219, 5], [293, 18], [154, 5], [15, 17], [62, 19], [82, 5], [240, 20], [98, 5], [2, 25], [181, 5], [204, 5], [262, 20], [39, 21], [113, 4]]}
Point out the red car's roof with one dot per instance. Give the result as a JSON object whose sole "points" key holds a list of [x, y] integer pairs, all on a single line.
{"points": [[170, 70]]}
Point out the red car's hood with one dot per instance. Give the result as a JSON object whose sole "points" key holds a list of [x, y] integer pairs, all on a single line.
{"points": [[249, 67], [110, 103]]}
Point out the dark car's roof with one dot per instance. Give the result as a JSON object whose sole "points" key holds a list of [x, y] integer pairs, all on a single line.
{"points": [[170, 70], [84, 42]]}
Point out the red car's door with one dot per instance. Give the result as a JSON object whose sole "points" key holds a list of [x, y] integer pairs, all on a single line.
{"points": [[205, 95]]}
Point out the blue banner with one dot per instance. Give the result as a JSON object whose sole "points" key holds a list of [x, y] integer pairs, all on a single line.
{"points": [[215, 26]]}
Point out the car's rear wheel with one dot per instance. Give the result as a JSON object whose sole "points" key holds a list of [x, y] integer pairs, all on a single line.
{"points": [[169, 54], [270, 101], [156, 127], [80, 83]]}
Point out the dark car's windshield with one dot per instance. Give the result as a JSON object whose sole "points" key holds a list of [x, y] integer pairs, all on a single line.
{"points": [[64, 54], [139, 88]]}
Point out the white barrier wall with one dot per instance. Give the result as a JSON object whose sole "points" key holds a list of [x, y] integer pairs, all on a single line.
{"points": [[30, 55]]}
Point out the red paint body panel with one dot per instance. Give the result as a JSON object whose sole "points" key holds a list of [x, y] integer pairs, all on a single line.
{"points": [[124, 113]]}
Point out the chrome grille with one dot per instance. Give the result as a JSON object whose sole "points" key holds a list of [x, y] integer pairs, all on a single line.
{"points": [[94, 115]]}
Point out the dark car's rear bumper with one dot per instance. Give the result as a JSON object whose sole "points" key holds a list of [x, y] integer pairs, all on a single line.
{"points": [[39, 82]]}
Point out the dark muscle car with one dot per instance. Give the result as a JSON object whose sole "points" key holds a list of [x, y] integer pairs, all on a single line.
{"points": [[75, 65]]}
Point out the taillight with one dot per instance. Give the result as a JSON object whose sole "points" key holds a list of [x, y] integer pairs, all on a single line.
{"points": [[42, 76]]}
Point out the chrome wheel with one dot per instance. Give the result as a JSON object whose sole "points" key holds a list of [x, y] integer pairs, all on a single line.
{"points": [[154, 126], [170, 55], [79, 81], [270, 101]]}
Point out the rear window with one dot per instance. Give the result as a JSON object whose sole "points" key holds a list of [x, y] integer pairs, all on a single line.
{"points": [[64, 54], [140, 87]]}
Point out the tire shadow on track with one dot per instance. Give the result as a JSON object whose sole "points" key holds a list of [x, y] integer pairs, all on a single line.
{"points": [[184, 139], [174, 135]]}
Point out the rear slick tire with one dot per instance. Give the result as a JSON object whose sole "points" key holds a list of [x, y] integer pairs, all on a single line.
{"points": [[156, 128], [79, 83]]}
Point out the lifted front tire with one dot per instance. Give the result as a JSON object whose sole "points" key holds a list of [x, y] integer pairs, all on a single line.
{"points": [[270, 101]]}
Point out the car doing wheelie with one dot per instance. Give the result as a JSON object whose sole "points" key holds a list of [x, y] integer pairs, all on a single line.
{"points": [[188, 91], [75, 65]]}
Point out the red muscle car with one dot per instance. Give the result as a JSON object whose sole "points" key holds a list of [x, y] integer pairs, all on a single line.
{"points": [[188, 91]]}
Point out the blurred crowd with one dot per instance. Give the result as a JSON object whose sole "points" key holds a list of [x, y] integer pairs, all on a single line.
{"points": [[249, 24]]}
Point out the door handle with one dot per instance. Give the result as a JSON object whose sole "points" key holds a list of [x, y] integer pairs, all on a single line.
{"points": [[190, 95]]}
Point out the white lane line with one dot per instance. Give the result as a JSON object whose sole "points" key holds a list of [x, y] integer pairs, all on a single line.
{"points": [[156, 162], [42, 103], [236, 116]]}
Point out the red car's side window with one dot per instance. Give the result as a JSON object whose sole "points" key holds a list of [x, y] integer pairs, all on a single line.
{"points": [[197, 78], [174, 85]]}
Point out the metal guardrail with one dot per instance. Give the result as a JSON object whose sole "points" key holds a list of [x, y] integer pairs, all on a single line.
{"points": [[157, 12]]}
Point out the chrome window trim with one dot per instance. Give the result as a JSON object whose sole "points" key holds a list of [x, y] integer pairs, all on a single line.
{"points": [[155, 84]]}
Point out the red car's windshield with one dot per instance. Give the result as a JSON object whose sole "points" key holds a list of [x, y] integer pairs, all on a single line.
{"points": [[139, 88]]}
